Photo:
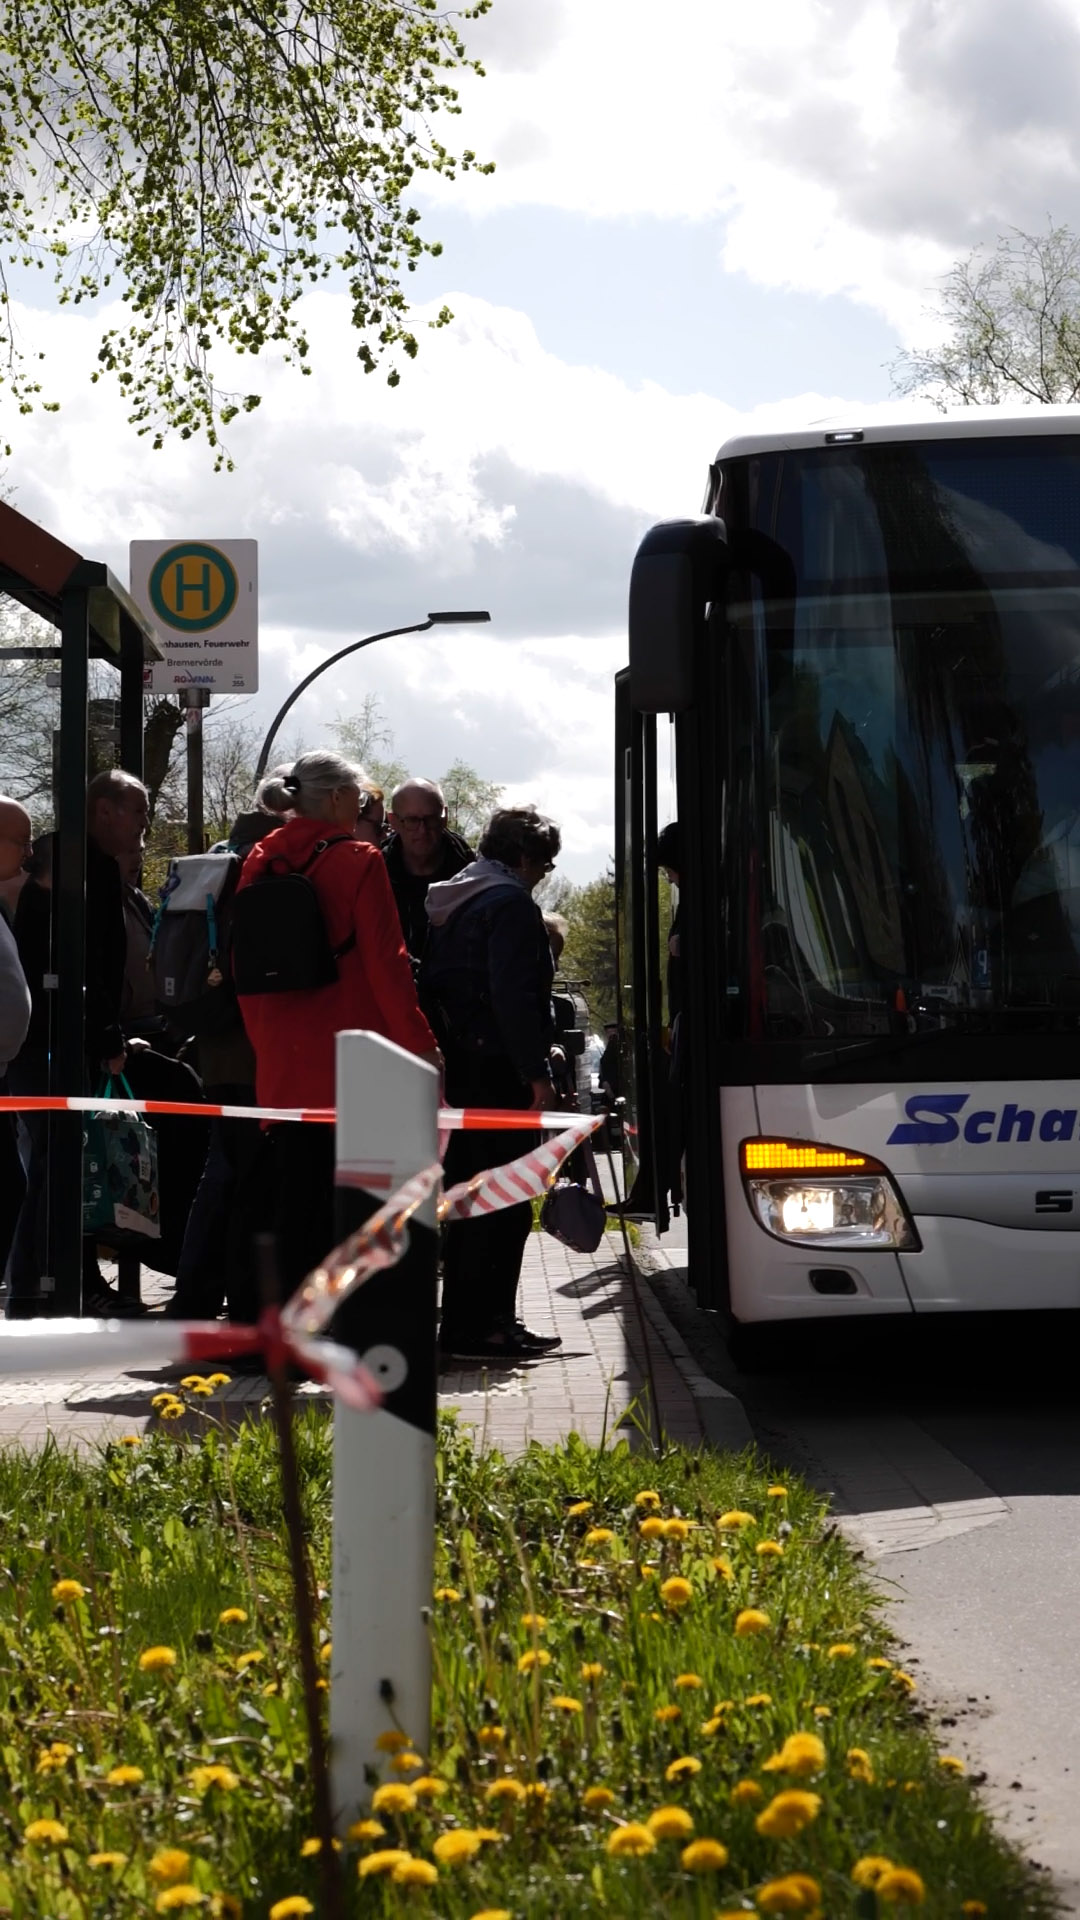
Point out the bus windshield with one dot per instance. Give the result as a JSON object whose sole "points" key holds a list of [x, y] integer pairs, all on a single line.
{"points": [[909, 619]]}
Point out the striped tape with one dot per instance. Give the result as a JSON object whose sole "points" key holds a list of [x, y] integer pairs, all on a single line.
{"points": [[450, 1119]]}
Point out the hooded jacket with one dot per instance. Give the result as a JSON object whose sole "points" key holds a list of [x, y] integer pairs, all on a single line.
{"points": [[488, 967], [293, 1033]]}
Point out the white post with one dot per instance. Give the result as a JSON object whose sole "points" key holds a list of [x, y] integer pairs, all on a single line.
{"points": [[384, 1462]]}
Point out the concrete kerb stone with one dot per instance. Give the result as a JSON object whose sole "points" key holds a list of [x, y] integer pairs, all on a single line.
{"points": [[723, 1417]]}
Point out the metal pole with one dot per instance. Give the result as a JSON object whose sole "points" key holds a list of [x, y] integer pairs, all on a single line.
{"points": [[131, 698], [193, 700], [354, 647], [384, 1462], [62, 1275]]}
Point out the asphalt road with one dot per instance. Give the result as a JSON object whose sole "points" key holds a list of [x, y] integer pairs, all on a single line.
{"points": [[951, 1451]]}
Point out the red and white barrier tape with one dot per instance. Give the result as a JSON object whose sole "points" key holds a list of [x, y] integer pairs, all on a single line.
{"points": [[451, 1119]]}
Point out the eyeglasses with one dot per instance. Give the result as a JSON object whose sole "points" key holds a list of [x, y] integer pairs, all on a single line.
{"points": [[549, 866], [419, 819]]}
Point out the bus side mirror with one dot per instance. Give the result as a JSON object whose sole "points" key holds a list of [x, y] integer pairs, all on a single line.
{"points": [[678, 569]]}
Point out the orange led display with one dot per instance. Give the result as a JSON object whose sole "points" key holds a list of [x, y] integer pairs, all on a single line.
{"points": [[801, 1156]]}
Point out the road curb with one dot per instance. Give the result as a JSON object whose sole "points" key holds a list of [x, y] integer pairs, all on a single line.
{"points": [[724, 1420]]}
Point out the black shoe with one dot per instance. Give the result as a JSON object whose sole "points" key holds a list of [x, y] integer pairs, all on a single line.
{"points": [[104, 1303], [536, 1342], [503, 1343]]}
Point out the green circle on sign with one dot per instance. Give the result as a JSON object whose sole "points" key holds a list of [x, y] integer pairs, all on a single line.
{"points": [[193, 587]]}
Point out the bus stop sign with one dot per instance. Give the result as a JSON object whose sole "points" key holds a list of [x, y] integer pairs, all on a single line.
{"points": [[202, 596]]}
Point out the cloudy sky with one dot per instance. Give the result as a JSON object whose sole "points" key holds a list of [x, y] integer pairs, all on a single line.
{"points": [[701, 215]]}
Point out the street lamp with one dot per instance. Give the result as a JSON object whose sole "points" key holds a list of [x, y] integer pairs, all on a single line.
{"points": [[421, 626]]}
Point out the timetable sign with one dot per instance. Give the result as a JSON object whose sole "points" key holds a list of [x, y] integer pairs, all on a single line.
{"points": [[202, 596]]}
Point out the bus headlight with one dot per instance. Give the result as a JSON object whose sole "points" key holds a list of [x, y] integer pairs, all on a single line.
{"points": [[835, 1199]]}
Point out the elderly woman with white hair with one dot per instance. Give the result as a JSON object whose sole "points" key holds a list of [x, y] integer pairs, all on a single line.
{"points": [[325, 798]]}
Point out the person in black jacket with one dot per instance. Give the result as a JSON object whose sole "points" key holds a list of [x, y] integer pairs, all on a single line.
{"points": [[488, 970], [420, 851]]}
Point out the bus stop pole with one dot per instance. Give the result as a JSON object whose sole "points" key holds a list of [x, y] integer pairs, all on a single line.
{"points": [[384, 1462], [193, 700]]}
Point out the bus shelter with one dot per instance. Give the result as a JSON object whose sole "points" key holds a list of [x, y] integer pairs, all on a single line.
{"points": [[95, 619]]}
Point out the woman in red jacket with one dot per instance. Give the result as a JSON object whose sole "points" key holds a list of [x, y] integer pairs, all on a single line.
{"points": [[293, 1034]]}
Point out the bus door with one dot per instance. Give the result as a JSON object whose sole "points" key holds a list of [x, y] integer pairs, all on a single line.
{"points": [[643, 1054]]}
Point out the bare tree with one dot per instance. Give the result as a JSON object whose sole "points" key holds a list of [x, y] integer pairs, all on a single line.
{"points": [[1011, 321]]}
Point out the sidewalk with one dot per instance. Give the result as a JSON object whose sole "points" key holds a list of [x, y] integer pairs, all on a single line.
{"points": [[597, 1379]]}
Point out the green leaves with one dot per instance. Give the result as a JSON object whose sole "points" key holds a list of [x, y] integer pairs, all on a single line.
{"points": [[221, 161]]}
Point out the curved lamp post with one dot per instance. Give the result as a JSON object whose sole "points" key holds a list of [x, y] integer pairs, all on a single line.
{"points": [[420, 626]]}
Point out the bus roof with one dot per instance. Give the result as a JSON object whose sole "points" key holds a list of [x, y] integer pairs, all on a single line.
{"points": [[906, 421]]}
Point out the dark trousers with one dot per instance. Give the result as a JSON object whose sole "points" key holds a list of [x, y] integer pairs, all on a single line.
{"points": [[214, 1265], [12, 1182], [482, 1258], [286, 1189]]}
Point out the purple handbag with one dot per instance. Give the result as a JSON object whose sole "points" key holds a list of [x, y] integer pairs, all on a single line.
{"points": [[576, 1215]]}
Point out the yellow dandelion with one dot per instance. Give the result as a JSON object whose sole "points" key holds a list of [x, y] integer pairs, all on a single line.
{"points": [[758, 1700], [868, 1871], [666, 1714], [777, 1493], [880, 1665], [734, 1521], [651, 1528], [714, 1726], [534, 1622], [860, 1766], [414, 1873], [219, 1379], [536, 1657], [447, 1595], [647, 1498], [676, 1529], [904, 1681], [382, 1862], [565, 1703], [392, 1741], [169, 1863], [245, 1660], [176, 1898], [670, 1823], [683, 1769], [393, 1797], [98, 1860], [430, 1786], [843, 1650], [68, 1591], [794, 1893], [291, 1908], [769, 1550], [788, 1813], [689, 1680], [536, 1791], [203, 1778], [310, 1848], [704, 1856], [157, 1659], [124, 1777], [751, 1620], [494, 1913], [366, 1830], [722, 1565], [164, 1400], [406, 1762], [649, 1573], [461, 1843], [45, 1833], [974, 1907], [676, 1593], [232, 1617], [579, 1507], [822, 1713], [202, 1390], [595, 1799], [950, 1764], [901, 1887], [135, 1439], [746, 1792], [174, 1411], [507, 1789], [801, 1754], [631, 1841], [598, 1537], [737, 1913], [592, 1670], [491, 1736], [191, 1380]]}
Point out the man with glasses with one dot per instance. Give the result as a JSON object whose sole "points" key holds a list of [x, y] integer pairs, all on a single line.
{"points": [[421, 850]]}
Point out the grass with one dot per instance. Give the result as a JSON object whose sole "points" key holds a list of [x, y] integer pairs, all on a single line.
{"points": [[577, 1695]]}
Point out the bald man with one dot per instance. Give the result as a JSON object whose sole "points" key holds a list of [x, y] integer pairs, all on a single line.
{"points": [[16, 843], [421, 849]]}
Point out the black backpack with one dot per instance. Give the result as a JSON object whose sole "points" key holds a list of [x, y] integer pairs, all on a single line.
{"points": [[189, 946], [279, 938]]}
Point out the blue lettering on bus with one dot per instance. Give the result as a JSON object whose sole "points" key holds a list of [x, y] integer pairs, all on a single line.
{"points": [[932, 1122]]}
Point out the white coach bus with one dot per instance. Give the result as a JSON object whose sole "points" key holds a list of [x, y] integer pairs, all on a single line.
{"points": [[869, 647]]}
